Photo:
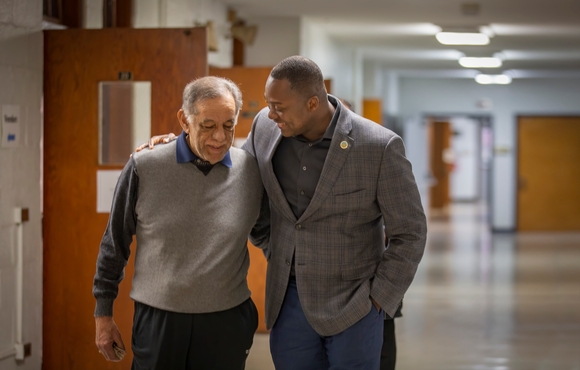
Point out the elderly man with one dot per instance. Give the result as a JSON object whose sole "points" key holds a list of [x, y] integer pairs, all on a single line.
{"points": [[191, 205]]}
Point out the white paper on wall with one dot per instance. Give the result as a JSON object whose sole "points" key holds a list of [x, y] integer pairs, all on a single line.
{"points": [[106, 182]]}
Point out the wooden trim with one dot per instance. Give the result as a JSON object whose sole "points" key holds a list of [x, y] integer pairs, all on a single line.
{"points": [[124, 13], [50, 11], [238, 53], [109, 13], [72, 13]]}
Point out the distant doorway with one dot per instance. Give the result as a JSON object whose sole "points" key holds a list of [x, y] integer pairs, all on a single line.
{"points": [[460, 150]]}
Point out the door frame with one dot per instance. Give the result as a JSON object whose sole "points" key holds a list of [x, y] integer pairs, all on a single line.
{"points": [[484, 120]]}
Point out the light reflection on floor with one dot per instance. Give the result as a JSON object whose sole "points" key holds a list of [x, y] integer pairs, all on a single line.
{"points": [[483, 301]]}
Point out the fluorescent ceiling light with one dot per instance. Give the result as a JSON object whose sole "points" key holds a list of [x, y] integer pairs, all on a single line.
{"points": [[395, 54], [493, 79], [487, 30], [462, 38], [472, 62]]}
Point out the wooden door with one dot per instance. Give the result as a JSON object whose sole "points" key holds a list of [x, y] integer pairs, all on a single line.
{"points": [[328, 85], [440, 144], [252, 82], [372, 109], [75, 61], [548, 174]]}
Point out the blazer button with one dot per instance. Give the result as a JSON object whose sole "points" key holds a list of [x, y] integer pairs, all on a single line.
{"points": [[287, 263], [298, 227]]}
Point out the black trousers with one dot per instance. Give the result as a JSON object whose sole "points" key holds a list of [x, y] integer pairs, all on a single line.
{"points": [[389, 349], [164, 340]]}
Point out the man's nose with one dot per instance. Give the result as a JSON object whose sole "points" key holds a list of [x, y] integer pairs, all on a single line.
{"points": [[219, 134], [272, 115]]}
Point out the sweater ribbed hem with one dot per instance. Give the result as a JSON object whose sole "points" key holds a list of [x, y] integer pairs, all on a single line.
{"points": [[104, 307]]}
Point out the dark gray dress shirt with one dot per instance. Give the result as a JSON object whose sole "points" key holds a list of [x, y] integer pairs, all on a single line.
{"points": [[298, 164]]}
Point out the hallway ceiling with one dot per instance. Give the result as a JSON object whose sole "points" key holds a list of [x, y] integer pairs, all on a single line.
{"points": [[536, 38]]}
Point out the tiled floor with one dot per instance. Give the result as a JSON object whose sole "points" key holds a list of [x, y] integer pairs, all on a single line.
{"points": [[483, 301]]}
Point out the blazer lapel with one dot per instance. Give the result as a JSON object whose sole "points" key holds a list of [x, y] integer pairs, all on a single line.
{"points": [[340, 147]]}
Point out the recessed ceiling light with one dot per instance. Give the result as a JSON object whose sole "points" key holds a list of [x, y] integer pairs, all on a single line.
{"points": [[462, 38], [493, 79], [472, 62]]}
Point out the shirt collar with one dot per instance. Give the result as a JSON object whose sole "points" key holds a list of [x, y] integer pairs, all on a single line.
{"points": [[330, 129], [185, 154]]}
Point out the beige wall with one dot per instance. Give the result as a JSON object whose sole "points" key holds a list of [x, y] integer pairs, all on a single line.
{"points": [[21, 85], [276, 39], [188, 13]]}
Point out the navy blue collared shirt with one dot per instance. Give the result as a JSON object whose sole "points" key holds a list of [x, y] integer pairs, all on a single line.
{"points": [[185, 154]]}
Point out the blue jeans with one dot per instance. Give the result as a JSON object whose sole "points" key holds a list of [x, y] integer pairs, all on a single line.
{"points": [[296, 346]]}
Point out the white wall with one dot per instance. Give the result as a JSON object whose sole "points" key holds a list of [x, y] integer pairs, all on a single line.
{"points": [[373, 80], [419, 96], [417, 152], [277, 38], [188, 13], [337, 62], [93, 14], [380, 83], [21, 56]]}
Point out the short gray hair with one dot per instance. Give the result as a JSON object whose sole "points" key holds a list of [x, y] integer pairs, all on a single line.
{"points": [[209, 87]]}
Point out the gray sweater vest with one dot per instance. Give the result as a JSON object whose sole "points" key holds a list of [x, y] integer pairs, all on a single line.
{"points": [[192, 231]]}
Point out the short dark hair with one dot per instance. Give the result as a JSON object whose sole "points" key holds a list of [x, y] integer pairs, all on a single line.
{"points": [[209, 87], [304, 75]]}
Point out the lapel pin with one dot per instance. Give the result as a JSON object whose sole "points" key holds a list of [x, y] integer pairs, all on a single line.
{"points": [[343, 145]]}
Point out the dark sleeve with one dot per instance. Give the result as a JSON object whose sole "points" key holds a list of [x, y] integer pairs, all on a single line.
{"points": [[115, 246], [405, 227], [260, 234]]}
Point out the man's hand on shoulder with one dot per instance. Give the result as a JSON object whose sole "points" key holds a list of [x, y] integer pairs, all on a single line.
{"points": [[159, 139], [108, 339]]}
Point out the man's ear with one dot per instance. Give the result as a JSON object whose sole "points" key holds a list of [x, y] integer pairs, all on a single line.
{"points": [[312, 103], [182, 118]]}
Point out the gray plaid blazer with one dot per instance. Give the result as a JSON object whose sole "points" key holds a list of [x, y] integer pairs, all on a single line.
{"points": [[339, 241]]}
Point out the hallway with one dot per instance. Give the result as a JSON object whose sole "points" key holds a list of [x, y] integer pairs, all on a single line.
{"points": [[483, 301]]}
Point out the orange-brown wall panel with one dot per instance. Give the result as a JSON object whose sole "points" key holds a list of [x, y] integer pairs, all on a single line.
{"points": [[372, 110]]}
